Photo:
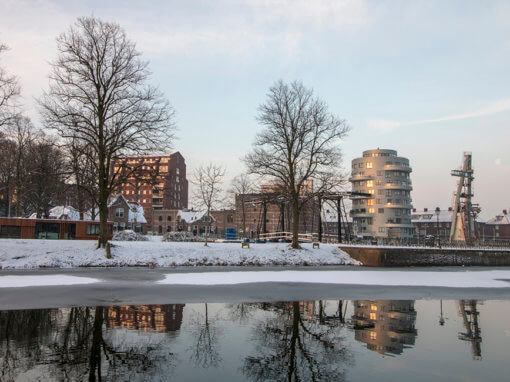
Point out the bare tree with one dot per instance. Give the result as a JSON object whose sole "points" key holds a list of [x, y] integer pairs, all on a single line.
{"points": [[82, 179], [99, 94], [22, 132], [208, 194], [240, 186], [7, 172], [9, 91], [299, 144], [45, 183]]}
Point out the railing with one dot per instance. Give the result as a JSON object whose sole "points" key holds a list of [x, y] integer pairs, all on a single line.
{"points": [[302, 237]]}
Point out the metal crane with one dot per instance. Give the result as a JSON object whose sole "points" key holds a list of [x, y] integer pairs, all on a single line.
{"points": [[464, 211]]}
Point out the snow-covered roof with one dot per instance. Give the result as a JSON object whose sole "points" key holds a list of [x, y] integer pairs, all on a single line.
{"points": [[136, 213], [192, 216], [501, 219], [64, 213], [423, 216], [114, 199]]}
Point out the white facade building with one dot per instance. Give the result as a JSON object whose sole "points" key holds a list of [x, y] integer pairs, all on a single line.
{"points": [[387, 213]]}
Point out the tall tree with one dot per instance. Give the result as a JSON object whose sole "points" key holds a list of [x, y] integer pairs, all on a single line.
{"points": [[299, 143], [99, 94], [9, 91], [208, 194], [240, 186]]}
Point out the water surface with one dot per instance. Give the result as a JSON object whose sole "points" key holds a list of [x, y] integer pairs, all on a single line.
{"points": [[349, 340]]}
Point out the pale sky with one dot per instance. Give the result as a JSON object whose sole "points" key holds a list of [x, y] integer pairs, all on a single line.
{"points": [[427, 78]]}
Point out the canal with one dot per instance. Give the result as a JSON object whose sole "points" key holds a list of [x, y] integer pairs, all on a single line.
{"points": [[323, 340]]}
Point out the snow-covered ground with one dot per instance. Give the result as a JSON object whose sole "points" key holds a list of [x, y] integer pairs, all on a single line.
{"points": [[26, 254]]}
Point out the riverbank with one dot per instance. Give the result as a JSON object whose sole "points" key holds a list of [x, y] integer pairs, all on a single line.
{"points": [[391, 256], [34, 254]]}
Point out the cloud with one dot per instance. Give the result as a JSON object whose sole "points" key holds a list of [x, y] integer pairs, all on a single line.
{"points": [[384, 125]]}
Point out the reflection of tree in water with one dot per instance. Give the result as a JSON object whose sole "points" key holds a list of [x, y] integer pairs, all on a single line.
{"points": [[292, 347], [204, 352], [242, 312], [22, 329], [73, 345]]}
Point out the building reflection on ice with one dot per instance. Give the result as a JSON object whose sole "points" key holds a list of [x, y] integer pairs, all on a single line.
{"points": [[386, 326], [161, 318]]}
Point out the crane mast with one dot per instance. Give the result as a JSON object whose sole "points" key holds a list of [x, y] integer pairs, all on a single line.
{"points": [[463, 216]]}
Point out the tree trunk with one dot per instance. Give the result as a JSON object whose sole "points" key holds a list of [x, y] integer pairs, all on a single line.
{"points": [[103, 219], [295, 224], [244, 216], [95, 349]]}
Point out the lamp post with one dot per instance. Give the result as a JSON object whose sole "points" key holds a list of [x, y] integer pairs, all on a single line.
{"points": [[438, 211]]}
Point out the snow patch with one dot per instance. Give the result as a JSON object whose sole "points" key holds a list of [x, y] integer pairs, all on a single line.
{"points": [[45, 280], [481, 279]]}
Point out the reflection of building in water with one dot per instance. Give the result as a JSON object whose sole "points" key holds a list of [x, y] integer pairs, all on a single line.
{"points": [[469, 313], [162, 318], [386, 326]]}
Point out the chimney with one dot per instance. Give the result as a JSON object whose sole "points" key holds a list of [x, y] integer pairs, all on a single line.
{"points": [[425, 210]]}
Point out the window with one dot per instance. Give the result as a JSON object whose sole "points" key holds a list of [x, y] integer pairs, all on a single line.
{"points": [[371, 191], [369, 164], [373, 307], [371, 210], [388, 192], [380, 191], [381, 210], [360, 165], [370, 183], [379, 173], [382, 229], [160, 218], [92, 229], [177, 171], [169, 218], [373, 316], [378, 201], [119, 212], [370, 202], [373, 335]]}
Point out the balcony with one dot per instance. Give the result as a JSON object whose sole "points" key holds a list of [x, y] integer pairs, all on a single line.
{"points": [[393, 224], [398, 186], [361, 213], [360, 177], [402, 204], [393, 167]]}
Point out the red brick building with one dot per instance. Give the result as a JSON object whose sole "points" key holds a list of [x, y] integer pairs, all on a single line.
{"points": [[156, 182], [498, 228]]}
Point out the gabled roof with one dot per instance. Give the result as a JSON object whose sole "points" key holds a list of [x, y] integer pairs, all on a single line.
{"points": [[193, 216], [114, 199], [136, 213], [501, 219]]}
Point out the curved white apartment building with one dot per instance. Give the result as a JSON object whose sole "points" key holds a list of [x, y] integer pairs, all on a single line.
{"points": [[387, 213]]}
